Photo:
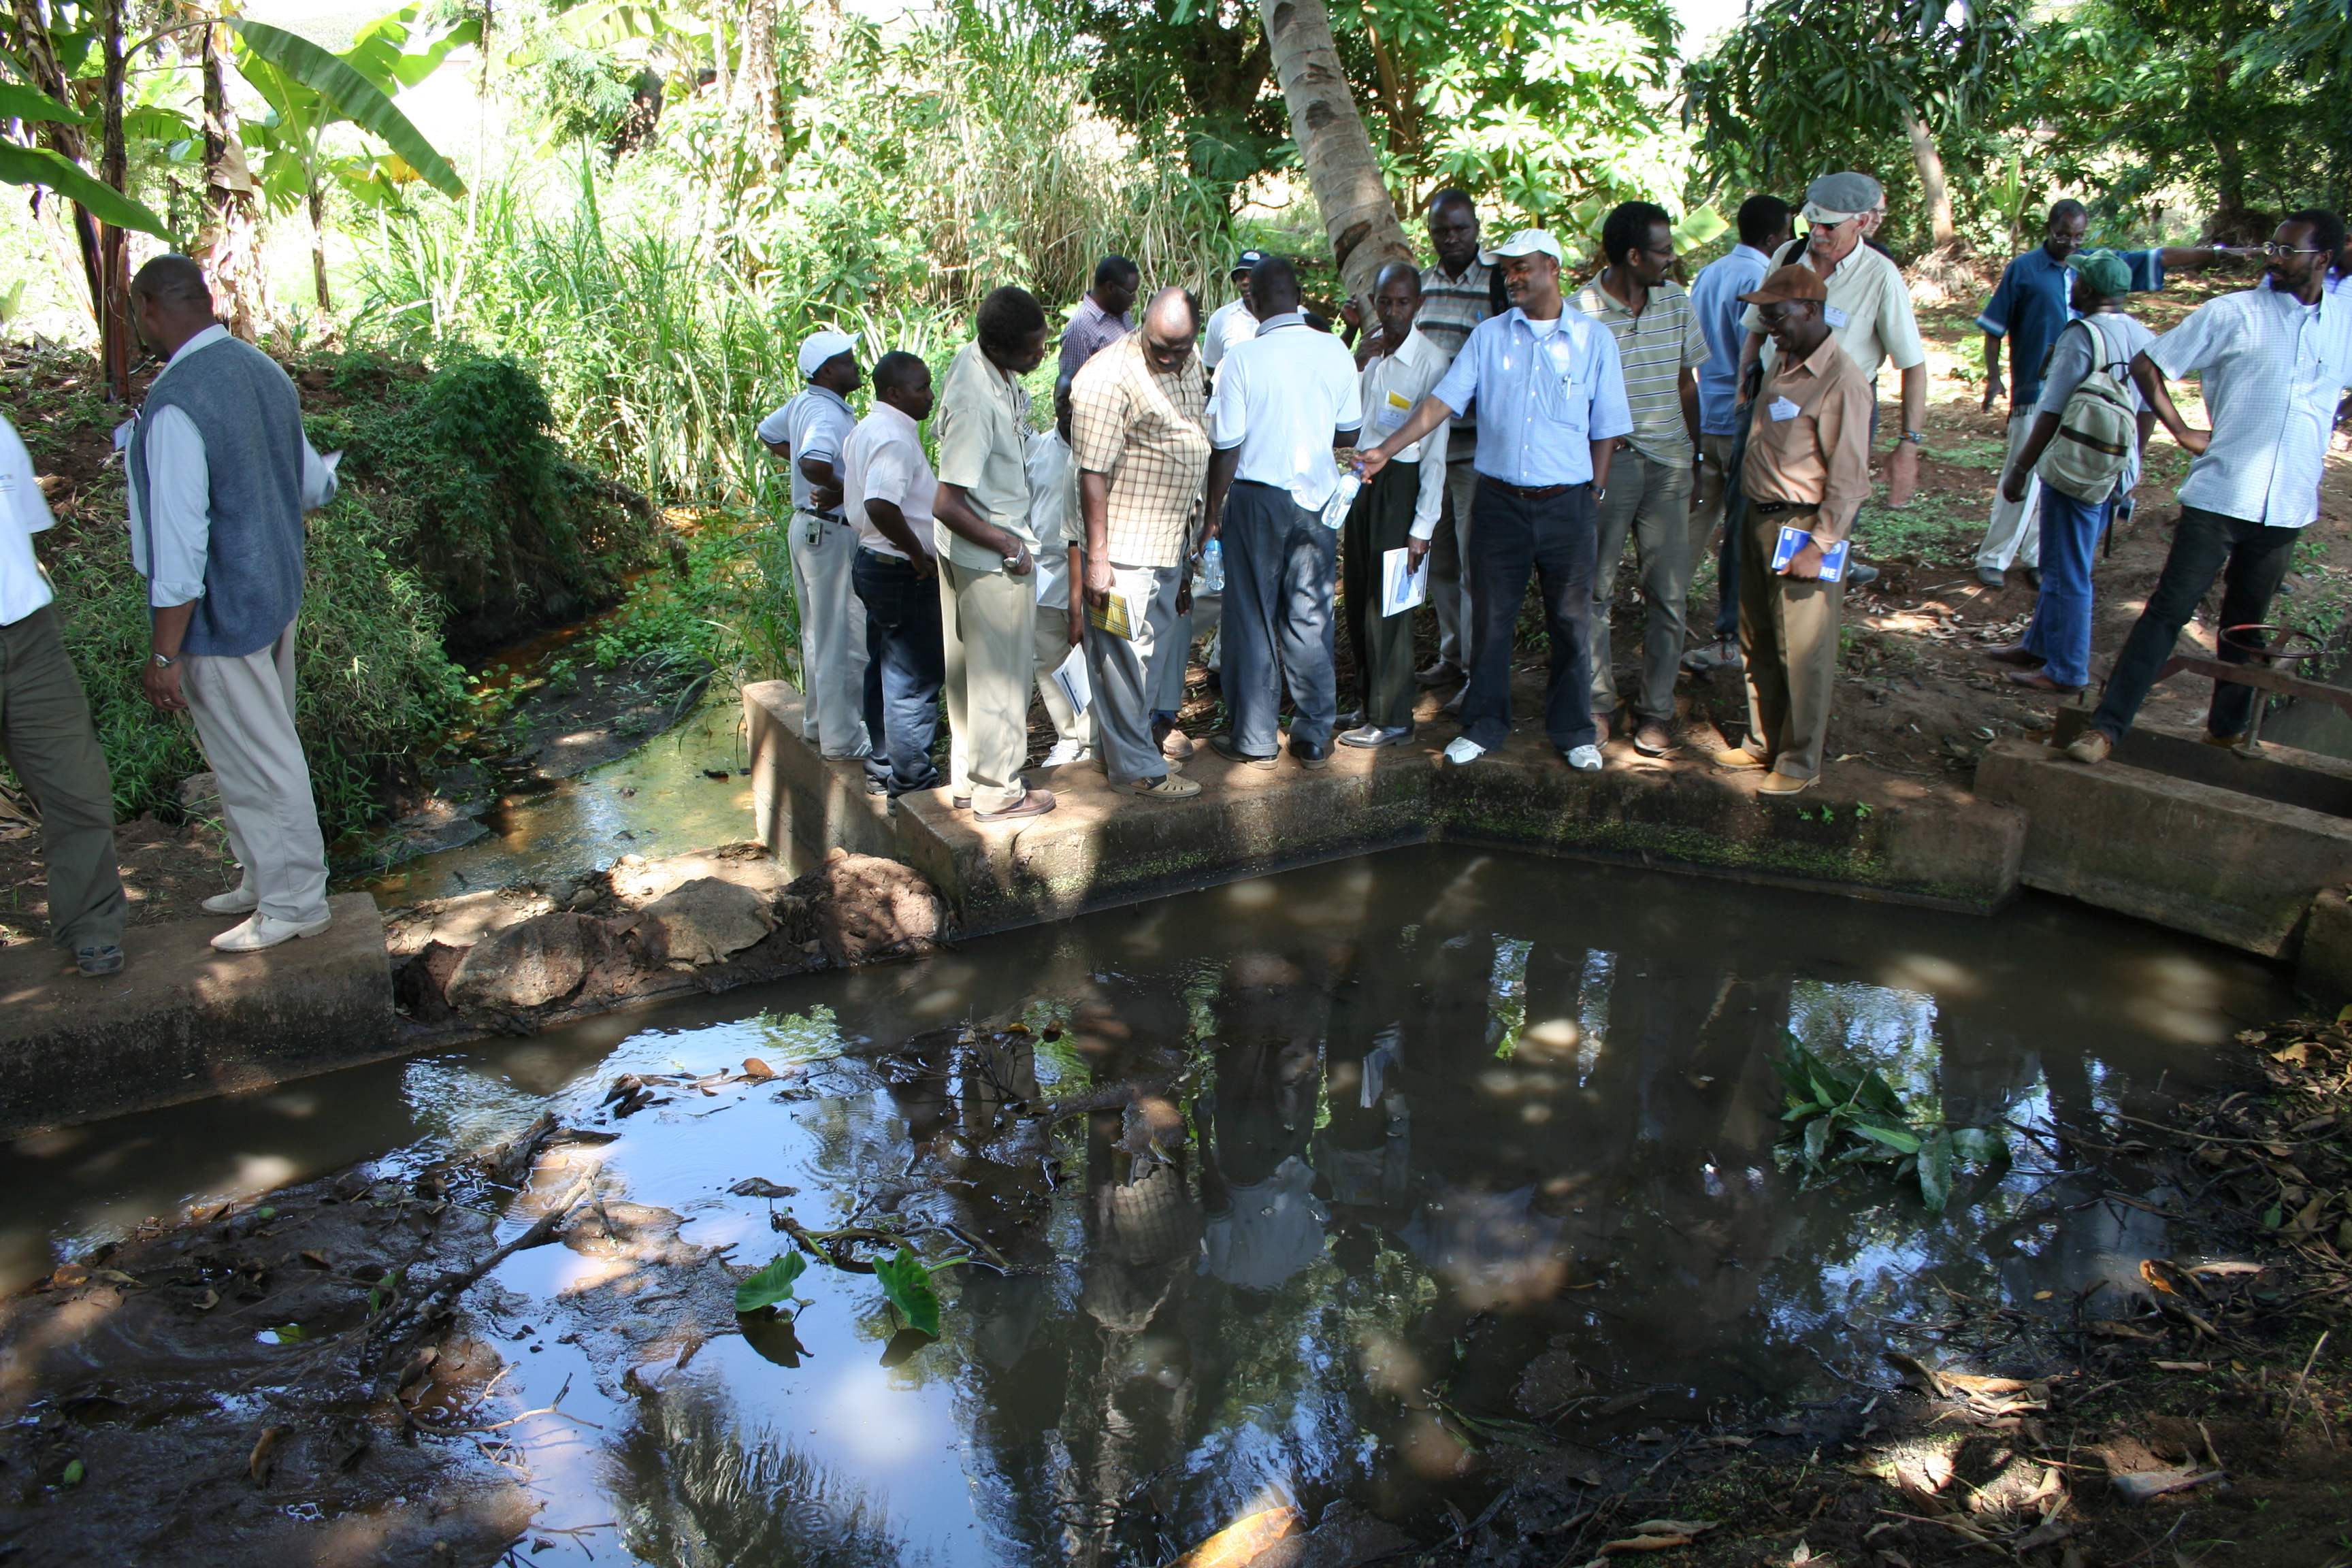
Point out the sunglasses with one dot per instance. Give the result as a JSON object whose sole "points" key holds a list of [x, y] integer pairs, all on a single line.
{"points": [[2276, 248]]}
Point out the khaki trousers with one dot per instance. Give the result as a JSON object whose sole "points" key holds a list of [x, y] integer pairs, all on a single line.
{"points": [[1053, 648], [243, 709], [1648, 501], [2015, 531], [832, 637], [988, 622], [45, 735], [1788, 640]]}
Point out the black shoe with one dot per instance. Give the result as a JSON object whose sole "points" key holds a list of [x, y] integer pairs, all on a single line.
{"points": [[1372, 735], [2033, 578], [1224, 746], [1442, 673], [104, 959], [1308, 754]]}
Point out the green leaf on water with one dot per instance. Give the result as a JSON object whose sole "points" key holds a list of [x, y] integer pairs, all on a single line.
{"points": [[265, 1212], [1901, 1142], [769, 1284], [74, 1473], [907, 1284], [1817, 1138], [1935, 1172]]}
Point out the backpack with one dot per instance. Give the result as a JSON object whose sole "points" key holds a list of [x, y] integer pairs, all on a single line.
{"points": [[2096, 430]]}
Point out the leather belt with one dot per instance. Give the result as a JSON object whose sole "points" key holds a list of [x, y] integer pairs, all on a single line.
{"points": [[1528, 492], [1783, 508]]}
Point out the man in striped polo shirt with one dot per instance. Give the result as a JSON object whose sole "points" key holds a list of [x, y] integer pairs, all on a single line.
{"points": [[1457, 294], [1659, 344]]}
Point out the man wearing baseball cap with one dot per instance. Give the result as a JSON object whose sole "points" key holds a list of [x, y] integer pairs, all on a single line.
{"points": [[1550, 391], [1234, 322], [1806, 466], [809, 433], [1868, 308]]}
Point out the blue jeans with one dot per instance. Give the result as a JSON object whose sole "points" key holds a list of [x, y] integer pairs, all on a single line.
{"points": [[1280, 565], [2249, 559], [906, 664], [1554, 539], [2060, 632]]}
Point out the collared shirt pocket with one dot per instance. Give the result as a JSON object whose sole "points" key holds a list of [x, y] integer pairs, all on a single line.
{"points": [[1562, 399]]}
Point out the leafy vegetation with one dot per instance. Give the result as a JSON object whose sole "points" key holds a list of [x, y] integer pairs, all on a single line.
{"points": [[1839, 1118], [769, 1284]]}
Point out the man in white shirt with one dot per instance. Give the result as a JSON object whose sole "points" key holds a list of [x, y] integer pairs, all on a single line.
{"points": [[1234, 321], [2275, 363], [219, 475], [887, 487], [46, 732], [808, 433], [1401, 503], [1283, 402]]}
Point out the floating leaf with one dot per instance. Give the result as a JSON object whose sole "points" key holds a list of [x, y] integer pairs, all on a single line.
{"points": [[1901, 1142], [771, 1284], [907, 1284], [772, 1335], [75, 1471]]}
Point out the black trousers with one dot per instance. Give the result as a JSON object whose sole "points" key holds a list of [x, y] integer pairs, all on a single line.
{"points": [[1381, 520], [2251, 560], [1509, 539]]}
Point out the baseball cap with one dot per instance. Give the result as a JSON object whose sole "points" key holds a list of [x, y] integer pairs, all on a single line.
{"points": [[1527, 242], [2103, 272], [1248, 259], [1833, 198], [819, 347], [1791, 283]]}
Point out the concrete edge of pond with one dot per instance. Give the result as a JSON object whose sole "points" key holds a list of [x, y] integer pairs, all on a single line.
{"points": [[1861, 833], [182, 1022]]}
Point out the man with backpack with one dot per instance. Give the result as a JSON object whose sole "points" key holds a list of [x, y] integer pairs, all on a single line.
{"points": [[2083, 447], [2274, 363]]}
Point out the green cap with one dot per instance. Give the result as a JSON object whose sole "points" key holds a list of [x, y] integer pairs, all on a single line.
{"points": [[2103, 272]]}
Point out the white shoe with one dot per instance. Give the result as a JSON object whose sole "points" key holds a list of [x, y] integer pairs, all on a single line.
{"points": [[1462, 749], [241, 900], [260, 931], [1065, 752], [1585, 758]]}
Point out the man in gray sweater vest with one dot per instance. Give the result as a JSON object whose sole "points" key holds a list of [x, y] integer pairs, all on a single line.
{"points": [[220, 474]]}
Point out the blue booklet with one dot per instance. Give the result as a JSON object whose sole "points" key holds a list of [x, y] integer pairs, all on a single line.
{"points": [[1792, 539]]}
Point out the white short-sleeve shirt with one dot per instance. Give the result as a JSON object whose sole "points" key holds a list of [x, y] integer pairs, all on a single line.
{"points": [[884, 460], [1279, 397], [23, 512]]}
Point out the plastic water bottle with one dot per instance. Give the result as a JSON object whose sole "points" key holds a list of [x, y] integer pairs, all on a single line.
{"points": [[1213, 568], [1334, 510]]}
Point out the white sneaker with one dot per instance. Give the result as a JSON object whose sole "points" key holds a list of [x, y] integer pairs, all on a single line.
{"points": [[1462, 749], [1065, 752], [241, 900], [1585, 758], [260, 931]]}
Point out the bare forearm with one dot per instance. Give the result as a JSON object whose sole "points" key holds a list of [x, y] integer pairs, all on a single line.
{"points": [[1221, 467], [955, 512], [171, 628], [1915, 397], [2150, 382], [1094, 511], [893, 524], [1602, 451], [1687, 387]]}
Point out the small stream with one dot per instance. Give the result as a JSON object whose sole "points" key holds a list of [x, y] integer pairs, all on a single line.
{"points": [[1498, 1127]]}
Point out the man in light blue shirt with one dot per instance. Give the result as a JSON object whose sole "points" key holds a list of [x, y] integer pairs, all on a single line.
{"points": [[1551, 404], [2275, 363], [1765, 226]]}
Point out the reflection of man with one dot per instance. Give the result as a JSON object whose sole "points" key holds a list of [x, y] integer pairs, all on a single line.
{"points": [[1256, 1125]]}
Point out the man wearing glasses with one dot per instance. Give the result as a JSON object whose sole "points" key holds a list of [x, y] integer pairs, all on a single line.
{"points": [[2273, 361]]}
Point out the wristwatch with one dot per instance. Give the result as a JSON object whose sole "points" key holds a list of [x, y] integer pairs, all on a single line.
{"points": [[162, 660], [1916, 437]]}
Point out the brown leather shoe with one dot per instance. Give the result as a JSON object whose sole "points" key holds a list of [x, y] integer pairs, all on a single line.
{"points": [[2227, 742], [1175, 745], [1741, 759], [2037, 681], [1036, 803], [1652, 738], [2018, 655], [2091, 746], [1779, 784]]}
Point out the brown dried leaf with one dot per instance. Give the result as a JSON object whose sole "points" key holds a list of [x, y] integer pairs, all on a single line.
{"points": [[263, 1457]]}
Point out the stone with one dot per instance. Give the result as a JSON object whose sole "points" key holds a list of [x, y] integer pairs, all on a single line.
{"points": [[200, 793], [2322, 969], [541, 961], [420, 985], [867, 909], [704, 922]]}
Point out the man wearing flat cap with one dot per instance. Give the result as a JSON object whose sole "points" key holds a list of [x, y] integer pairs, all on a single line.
{"points": [[838, 715], [1867, 309], [1808, 467]]}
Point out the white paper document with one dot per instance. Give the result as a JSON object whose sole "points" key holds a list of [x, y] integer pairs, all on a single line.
{"points": [[1076, 684], [1400, 590], [1045, 576]]}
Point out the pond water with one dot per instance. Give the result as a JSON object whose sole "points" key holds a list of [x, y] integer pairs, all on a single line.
{"points": [[1464, 1138]]}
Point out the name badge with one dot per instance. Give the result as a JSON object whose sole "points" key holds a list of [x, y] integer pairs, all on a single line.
{"points": [[1399, 401], [1389, 418], [1781, 408], [1832, 315]]}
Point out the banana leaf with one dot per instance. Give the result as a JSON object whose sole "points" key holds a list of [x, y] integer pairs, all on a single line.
{"points": [[351, 95], [39, 166]]}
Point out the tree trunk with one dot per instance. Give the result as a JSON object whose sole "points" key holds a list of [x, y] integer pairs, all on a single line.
{"points": [[752, 108], [319, 248], [1358, 215], [65, 140], [230, 246], [113, 244], [1931, 182]]}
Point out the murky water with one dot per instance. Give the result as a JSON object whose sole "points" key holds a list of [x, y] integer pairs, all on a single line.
{"points": [[1466, 1138]]}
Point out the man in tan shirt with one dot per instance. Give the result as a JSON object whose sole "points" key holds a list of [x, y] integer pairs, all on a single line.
{"points": [[1808, 465], [1143, 458]]}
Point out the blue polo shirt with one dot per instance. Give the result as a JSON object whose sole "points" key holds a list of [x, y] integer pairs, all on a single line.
{"points": [[2030, 308]]}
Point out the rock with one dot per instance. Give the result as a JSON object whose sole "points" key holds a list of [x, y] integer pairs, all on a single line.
{"points": [[866, 909], [200, 793], [703, 922], [421, 985], [541, 961]]}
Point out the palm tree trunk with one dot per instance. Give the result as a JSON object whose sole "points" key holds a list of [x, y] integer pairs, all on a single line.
{"points": [[113, 245], [1341, 169], [231, 244], [1932, 186]]}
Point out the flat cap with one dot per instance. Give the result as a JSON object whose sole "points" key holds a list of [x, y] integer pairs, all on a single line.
{"points": [[1833, 198]]}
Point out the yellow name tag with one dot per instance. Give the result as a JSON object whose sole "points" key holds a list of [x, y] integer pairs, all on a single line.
{"points": [[1398, 400]]}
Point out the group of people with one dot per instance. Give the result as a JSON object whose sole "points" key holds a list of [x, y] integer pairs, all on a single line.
{"points": [[219, 476]]}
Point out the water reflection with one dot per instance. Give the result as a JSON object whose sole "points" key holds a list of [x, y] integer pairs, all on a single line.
{"points": [[1359, 1161]]}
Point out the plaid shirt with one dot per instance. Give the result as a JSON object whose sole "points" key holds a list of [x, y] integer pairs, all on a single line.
{"points": [[1092, 329], [1145, 431]]}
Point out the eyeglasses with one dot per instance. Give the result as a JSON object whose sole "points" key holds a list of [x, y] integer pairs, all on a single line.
{"points": [[2276, 250]]}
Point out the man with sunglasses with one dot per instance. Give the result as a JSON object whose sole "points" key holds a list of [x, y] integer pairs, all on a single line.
{"points": [[2275, 363]]}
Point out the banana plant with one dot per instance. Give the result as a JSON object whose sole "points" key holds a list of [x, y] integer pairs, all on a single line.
{"points": [[22, 165], [309, 90]]}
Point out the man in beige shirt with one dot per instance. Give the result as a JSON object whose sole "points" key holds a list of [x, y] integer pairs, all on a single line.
{"points": [[1143, 460], [987, 549], [1808, 465]]}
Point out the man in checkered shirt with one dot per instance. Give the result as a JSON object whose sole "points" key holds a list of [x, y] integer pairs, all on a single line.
{"points": [[1143, 456]]}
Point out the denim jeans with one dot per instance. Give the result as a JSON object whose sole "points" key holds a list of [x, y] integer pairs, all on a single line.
{"points": [[1281, 565], [908, 658], [2249, 559], [2060, 632], [1509, 538]]}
